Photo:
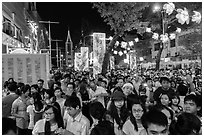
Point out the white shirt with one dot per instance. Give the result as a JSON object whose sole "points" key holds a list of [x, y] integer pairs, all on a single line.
{"points": [[79, 125], [39, 127], [30, 111], [129, 129]]}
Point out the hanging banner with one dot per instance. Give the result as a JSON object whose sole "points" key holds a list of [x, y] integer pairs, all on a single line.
{"points": [[77, 61], [99, 49], [133, 64], [84, 59], [112, 62]]}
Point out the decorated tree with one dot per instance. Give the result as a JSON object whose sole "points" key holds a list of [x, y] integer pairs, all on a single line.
{"points": [[121, 16], [164, 26], [173, 20]]}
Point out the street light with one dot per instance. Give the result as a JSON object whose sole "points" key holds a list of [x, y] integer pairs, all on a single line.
{"points": [[49, 22]]}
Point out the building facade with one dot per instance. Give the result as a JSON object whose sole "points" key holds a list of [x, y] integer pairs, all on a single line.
{"points": [[21, 28]]}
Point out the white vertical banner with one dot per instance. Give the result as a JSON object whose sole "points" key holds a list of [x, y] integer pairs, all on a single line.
{"points": [[84, 59], [99, 49], [112, 62], [77, 61], [133, 64]]}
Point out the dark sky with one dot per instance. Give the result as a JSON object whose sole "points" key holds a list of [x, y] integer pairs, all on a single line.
{"points": [[76, 15]]}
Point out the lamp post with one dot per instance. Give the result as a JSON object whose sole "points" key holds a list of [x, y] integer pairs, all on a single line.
{"points": [[57, 50], [49, 29]]}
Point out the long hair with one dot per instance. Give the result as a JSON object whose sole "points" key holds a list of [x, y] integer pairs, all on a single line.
{"points": [[58, 119], [124, 113], [132, 118]]}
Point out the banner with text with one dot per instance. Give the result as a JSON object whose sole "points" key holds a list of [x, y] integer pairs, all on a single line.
{"points": [[84, 59], [77, 61], [99, 49]]}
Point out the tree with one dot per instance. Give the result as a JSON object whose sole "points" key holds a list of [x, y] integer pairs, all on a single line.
{"points": [[172, 18], [121, 16]]}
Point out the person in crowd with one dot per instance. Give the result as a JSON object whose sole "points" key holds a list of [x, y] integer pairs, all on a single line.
{"points": [[186, 124], [50, 99], [133, 125], [118, 110], [75, 122], [58, 95], [164, 99], [192, 104], [64, 82], [177, 109], [9, 126], [155, 123], [5, 91], [40, 84], [166, 110], [100, 125], [57, 84], [34, 88], [149, 91], [165, 88], [49, 125], [8, 100], [18, 110]]}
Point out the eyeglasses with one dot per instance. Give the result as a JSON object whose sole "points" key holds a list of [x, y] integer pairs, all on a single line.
{"points": [[50, 113], [137, 111]]}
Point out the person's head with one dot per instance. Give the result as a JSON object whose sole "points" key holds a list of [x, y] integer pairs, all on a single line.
{"points": [[40, 83], [175, 100], [192, 104], [66, 77], [138, 109], [96, 110], [9, 126], [58, 92], [165, 99], [34, 88], [70, 87], [167, 111], [12, 87], [57, 84], [92, 84], [73, 106], [165, 82], [52, 114], [127, 88], [186, 124], [120, 82], [155, 122], [149, 82], [118, 97], [103, 83]]}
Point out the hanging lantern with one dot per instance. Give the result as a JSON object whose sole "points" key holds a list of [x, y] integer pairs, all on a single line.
{"points": [[120, 53]]}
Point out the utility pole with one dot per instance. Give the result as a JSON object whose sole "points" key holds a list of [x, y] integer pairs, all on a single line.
{"points": [[56, 40], [50, 46]]}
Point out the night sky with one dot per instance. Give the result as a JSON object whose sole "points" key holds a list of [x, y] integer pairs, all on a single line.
{"points": [[76, 15]]}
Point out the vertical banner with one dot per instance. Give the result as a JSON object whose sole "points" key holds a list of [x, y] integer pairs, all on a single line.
{"points": [[112, 62], [77, 61], [99, 49], [84, 59], [133, 64]]}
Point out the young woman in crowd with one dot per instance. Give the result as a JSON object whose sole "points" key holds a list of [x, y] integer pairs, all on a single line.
{"points": [[177, 109], [118, 110], [52, 121], [133, 125]]}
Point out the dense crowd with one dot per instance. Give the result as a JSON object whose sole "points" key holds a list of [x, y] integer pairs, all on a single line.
{"points": [[122, 102]]}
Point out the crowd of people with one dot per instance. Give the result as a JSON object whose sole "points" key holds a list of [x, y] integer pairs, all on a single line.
{"points": [[122, 102]]}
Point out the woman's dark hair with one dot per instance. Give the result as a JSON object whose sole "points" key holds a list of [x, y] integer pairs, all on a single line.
{"points": [[35, 86], [124, 113], [97, 110], [26, 88], [132, 118], [186, 124], [50, 93], [162, 107], [58, 119], [175, 95]]}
